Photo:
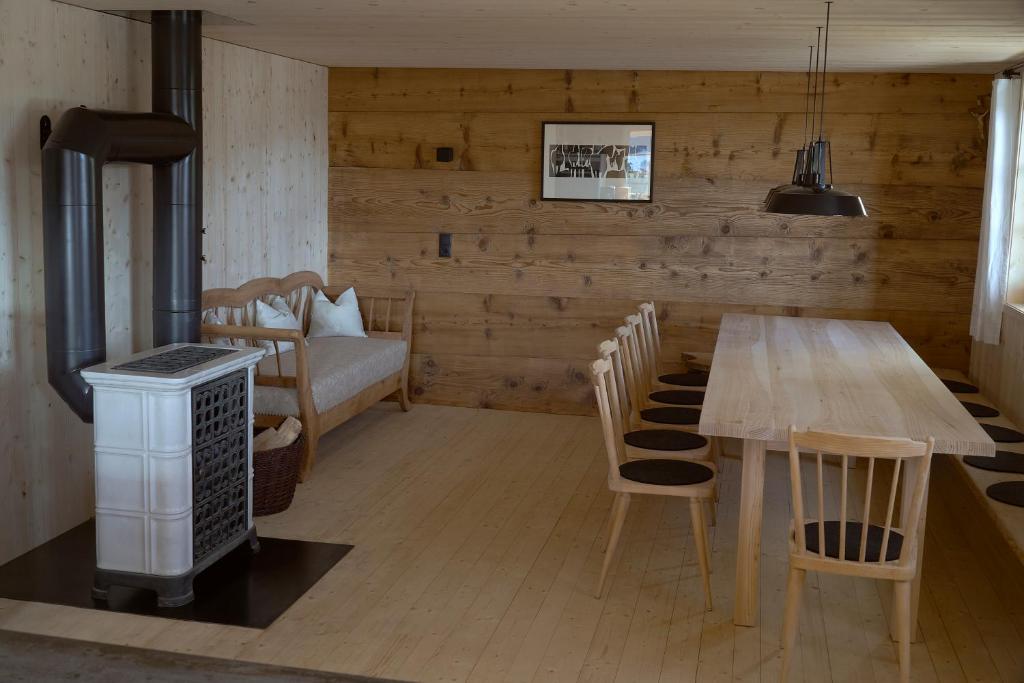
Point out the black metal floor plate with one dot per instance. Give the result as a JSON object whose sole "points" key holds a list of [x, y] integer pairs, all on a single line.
{"points": [[241, 589]]}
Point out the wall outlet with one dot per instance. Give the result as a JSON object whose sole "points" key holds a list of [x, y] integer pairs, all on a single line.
{"points": [[444, 245]]}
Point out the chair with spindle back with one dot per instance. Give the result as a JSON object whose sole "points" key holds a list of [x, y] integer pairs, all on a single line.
{"points": [[689, 378], [669, 408], [642, 441], [644, 428], [858, 547], [654, 476], [655, 395], [659, 416]]}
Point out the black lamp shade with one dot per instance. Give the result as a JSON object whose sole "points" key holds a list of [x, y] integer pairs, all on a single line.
{"points": [[807, 201]]}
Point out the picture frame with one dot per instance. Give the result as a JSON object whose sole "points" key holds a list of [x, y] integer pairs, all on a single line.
{"points": [[597, 161]]}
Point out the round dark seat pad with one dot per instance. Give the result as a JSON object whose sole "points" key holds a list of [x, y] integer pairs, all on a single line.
{"points": [[664, 440], [853, 531], [1003, 434], [979, 410], [665, 472], [960, 387], [694, 378], [1009, 492], [1003, 461], [678, 397], [671, 415]]}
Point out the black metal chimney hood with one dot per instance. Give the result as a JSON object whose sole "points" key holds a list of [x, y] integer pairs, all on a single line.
{"points": [[83, 141]]}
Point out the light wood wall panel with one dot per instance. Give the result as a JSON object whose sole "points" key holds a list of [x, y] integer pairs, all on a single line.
{"points": [[265, 212], [512, 318], [999, 368]]}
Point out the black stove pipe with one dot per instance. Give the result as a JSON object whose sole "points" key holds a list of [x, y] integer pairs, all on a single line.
{"points": [[178, 187], [82, 142]]}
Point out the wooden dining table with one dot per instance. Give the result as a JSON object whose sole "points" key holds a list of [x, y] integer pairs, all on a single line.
{"points": [[849, 376]]}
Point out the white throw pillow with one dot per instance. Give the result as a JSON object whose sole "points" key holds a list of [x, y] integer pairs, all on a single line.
{"points": [[279, 317], [338, 319], [211, 318]]}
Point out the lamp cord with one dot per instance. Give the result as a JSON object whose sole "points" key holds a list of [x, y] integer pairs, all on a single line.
{"points": [[824, 67]]}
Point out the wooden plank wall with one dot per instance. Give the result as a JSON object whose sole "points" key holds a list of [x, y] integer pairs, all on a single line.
{"points": [[512, 319], [998, 369], [265, 210]]}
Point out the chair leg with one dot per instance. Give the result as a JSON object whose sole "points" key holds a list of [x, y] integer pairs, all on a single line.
{"points": [[700, 536], [618, 518], [901, 601], [716, 457], [611, 521], [791, 620], [712, 512], [403, 395], [308, 454]]}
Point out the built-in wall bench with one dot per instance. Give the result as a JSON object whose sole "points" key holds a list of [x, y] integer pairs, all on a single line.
{"points": [[1009, 519]]}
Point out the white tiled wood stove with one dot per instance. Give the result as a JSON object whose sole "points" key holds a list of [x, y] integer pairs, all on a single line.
{"points": [[173, 449]]}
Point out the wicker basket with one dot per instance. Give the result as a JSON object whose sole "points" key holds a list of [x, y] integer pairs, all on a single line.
{"points": [[275, 473]]}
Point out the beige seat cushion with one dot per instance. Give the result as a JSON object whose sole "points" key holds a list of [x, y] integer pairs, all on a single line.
{"points": [[339, 368]]}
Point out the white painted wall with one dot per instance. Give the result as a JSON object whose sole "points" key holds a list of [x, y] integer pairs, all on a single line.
{"points": [[265, 194]]}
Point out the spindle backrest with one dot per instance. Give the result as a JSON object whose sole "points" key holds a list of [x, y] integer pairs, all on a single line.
{"points": [[641, 353], [611, 352], [649, 322], [631, 369], [607, 395], [910, 462], [385, 312], [237, 306]]}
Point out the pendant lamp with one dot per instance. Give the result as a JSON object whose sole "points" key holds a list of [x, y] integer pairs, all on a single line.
{"points": [[811, 192], [801, 162]]}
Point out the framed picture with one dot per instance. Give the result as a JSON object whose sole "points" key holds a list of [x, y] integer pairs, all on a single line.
{"points": [[597, 162]]}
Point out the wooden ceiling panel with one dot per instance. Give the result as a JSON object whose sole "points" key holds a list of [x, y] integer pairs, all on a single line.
{"points": [[978, 36]]}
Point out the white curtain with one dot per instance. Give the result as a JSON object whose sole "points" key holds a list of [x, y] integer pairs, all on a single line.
{"points": [[997, 215]]}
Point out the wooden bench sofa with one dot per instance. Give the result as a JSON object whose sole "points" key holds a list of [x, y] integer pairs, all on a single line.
{"points": [[330, 379]]}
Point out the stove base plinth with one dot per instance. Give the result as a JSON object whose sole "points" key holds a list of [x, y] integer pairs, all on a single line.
{"points": [[171, 591]]}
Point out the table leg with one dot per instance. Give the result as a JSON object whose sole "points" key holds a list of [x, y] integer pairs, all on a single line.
{"points": [[748, 547], [915, 586]]}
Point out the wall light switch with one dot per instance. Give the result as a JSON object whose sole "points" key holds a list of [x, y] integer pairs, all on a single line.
{"points": [[444, 245]]}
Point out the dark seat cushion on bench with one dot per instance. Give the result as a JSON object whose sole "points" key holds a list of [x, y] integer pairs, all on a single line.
{"points": [[666, 472], [1009, 492], [665, 440], [853, 532], [1003, 434], [1003, 461], [671, 415]]}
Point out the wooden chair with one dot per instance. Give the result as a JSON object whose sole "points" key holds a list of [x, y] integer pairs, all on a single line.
{"points": [[697, 360], [682, 418], [690, 378], [655, 442], [666, 407], [858, 547], [643, 415], [658, 477], [656, 394]]}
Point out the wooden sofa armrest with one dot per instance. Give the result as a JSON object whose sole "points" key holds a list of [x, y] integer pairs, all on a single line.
{"points": [[299, 381]]}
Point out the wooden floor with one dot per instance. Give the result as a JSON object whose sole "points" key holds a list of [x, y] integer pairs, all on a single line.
{"points": [[477, 543]]}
